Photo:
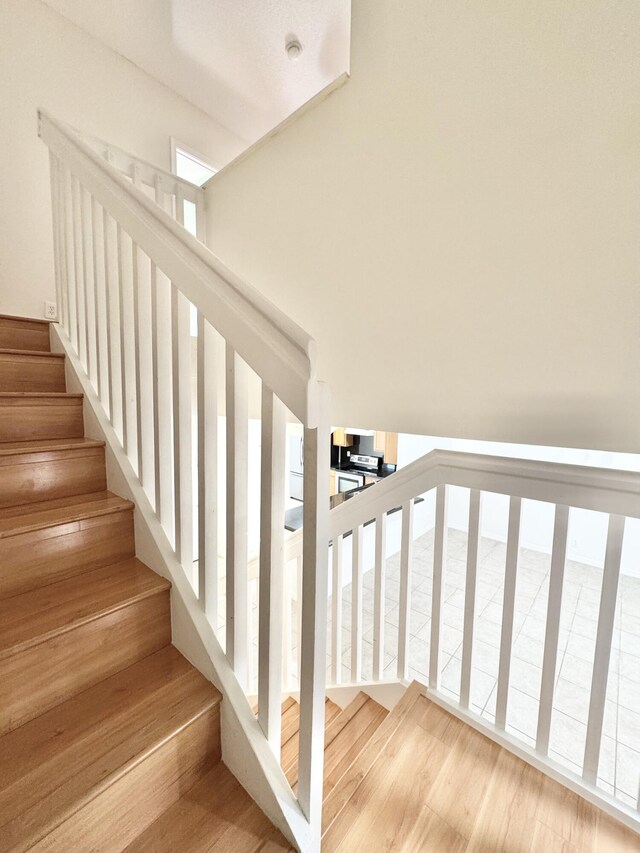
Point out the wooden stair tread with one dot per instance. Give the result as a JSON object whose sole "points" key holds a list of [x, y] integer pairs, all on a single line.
{"points": [[39, 395], [40, 320], [216, 814], [19, 448], [31, 352], [336, 799], [15, 520], [349, 743], [39, 614], [52, 764]]}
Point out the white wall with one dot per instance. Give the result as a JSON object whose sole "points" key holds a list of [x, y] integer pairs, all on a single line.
{"points": [[474, 191], [45, 61]]}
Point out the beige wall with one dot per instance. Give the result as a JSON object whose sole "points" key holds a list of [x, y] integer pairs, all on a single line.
{"points": [[459, 225], [47, 62]]}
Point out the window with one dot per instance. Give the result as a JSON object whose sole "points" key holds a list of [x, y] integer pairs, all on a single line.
{"points": [[187, 164]]}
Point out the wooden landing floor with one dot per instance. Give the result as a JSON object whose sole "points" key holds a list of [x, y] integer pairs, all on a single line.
{"points": [[441, 786]]}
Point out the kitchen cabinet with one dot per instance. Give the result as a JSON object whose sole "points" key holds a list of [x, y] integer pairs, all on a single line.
{"points": [[342, 438], [387, 444], [333, 489]]}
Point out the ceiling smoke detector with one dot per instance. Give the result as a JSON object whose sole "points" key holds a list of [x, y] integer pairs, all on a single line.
{"points": [[294, 49]]}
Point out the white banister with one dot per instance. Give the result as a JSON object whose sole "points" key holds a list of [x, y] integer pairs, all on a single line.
{"points": [[404, 618], [508, 610], [271, 567], [237, 514], [314, 616], [356, 603], [437, 590], [379, 585], [207, 470], [552, 632], [602, 656], [473, 550], [336, 611]]}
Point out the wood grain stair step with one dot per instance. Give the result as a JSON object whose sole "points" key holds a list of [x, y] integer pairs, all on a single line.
{"points": [[31, 370], [46, 542], [290, 745], [338, 797], [216, 814], [126, 749], [24, 333], [39, 416], [60, 639], [32, 471]]}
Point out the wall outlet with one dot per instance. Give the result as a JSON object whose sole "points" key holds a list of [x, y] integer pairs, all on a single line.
{"points": [[50, 310]]}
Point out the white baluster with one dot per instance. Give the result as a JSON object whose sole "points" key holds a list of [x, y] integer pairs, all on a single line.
{"points": [[473, 548], [406, 560], [287, 628], [65, 267], [272, 485], [437, 590], [180, 203], [79, 271], [237, 514], [356, 603], [182, 460], [299, 617], [207, 471], [100, 304], [88, 255], [554, 607], [314, 614], [604, 639], [55, 219], [201, 230], [336, 611], [124, 285], [508, 609], [379, 593], [111, 296]]}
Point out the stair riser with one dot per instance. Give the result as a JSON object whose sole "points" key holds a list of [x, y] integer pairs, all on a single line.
{"points": [[24, 334], [41, 676], [41, 557], [141, 795], [32, 477], [44, 418], [31, 373]]}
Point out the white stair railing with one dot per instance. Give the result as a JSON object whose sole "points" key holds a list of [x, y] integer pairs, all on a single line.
{"points": [[182, 200], [616, 493], [128, 277]]}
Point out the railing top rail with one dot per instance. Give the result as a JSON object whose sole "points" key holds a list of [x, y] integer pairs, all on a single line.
{"points": [[279, 351], [101, 145], [580, 486]]}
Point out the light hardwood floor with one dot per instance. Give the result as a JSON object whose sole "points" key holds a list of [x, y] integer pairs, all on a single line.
{"points": [[438, 785]]}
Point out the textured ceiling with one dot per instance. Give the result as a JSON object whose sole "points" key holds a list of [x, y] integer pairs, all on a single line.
{"points": [[226, 56]]}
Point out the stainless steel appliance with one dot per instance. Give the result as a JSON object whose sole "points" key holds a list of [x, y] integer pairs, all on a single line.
{"points": [[296, 466], [347, 480]]}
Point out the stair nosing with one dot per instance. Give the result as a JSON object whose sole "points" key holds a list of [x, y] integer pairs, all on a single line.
{"points": [[42, 320], [46, 446], [31, 352], [90, 512], [38, 395], [18, 648]]}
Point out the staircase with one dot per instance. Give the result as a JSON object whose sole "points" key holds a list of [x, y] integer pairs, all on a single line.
{"points": [[107, 734]]}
